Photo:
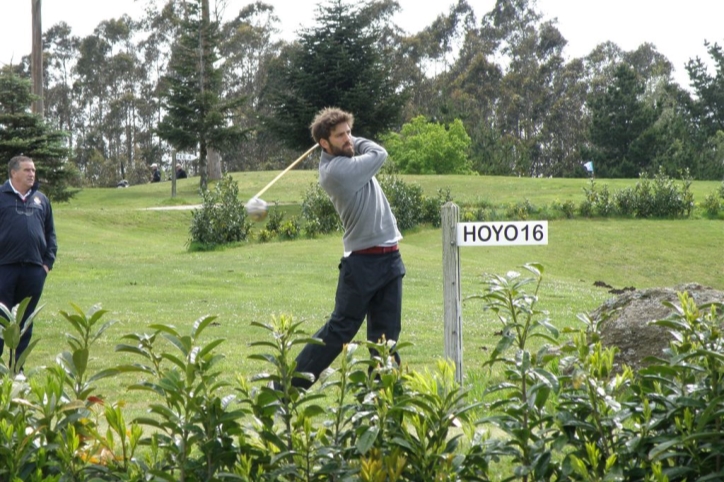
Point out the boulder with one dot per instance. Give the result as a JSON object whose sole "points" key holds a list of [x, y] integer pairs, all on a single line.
{"points": [[627, 326]]}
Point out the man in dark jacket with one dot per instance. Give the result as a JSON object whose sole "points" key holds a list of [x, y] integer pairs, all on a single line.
{"points": [[27, 241]]}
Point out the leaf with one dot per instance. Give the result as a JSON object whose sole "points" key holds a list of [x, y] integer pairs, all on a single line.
{"points": [[200, 325], [111, 372], [24, 355], [311, 411], [80, 360], [209, 347], [367, 440]]}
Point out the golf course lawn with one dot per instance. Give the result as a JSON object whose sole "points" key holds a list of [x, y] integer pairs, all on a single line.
{"points": [[117, 252]]}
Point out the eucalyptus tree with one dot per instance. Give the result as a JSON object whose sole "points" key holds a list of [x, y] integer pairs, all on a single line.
{"points": [[532, 50], [160, 29], [107, 71], [61, 53], [247, 49], [434, 58]]}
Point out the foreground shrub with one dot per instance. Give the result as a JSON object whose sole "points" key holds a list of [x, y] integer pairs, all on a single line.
{"points": [[221, 218], [559, 410]]}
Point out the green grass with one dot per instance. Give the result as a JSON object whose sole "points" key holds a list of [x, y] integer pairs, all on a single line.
{"points": [[134, 261], [466, 190]]}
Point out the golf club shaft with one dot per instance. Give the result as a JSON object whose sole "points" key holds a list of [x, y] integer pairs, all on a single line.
{"points": [[301, 158]]}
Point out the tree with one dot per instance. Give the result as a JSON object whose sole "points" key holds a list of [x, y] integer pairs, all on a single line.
{"points": [[247, 49], [709, 89], [340, 63], [424, 147], [707, 112], [621, 127], [22, 132], [196, 113]]}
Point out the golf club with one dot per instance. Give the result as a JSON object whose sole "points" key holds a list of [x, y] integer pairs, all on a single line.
{"points": [[256, 208]]}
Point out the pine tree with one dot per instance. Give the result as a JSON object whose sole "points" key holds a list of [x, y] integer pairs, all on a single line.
{"points": [[342, 63], [197, 116], [22, 132]]}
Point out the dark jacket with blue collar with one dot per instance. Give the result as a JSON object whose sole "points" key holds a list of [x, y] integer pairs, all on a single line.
{"points": [[27, 232]]}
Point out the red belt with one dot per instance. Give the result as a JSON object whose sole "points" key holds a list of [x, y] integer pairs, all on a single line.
{"points": [[377, 250]]}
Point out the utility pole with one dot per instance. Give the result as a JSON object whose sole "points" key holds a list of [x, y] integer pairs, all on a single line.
{"points": [[36, 64]]}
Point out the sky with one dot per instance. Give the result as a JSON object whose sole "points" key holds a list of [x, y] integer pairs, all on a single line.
{"points": [[678, 31]]}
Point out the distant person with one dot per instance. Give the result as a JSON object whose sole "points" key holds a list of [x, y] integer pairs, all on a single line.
{"points": [[180, 173], [155, 173], [27, 242]]}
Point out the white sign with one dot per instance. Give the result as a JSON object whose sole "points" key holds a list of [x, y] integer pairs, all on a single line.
{"points": [[502, 233], [185, 156]]}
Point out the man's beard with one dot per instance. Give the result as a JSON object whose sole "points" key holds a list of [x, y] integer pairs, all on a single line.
{"points": [[346, 151]]}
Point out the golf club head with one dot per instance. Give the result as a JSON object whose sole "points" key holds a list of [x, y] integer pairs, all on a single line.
{"points": [[256, 209]]}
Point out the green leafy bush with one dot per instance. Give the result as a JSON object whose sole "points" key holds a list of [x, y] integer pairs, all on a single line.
{"points": [[557, 409], [221, 218], [712, 204], [264, 235], [424, 147], [432, 207], [290, 229], [406, 201], [567, 208], [274, 220], [660, 198], [318, 211]]}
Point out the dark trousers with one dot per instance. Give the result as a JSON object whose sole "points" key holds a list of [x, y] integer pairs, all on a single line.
{"points": [[369, 285], [17, 282]]}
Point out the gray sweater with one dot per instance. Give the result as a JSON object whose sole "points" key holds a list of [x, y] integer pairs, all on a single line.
{"points": [[362, 206]]}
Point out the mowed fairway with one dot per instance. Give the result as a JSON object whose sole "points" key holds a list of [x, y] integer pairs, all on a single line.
{"points": [[135, 263]]}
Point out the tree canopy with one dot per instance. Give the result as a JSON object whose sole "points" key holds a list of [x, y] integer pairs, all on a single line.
{"points": [[24, 133], [180, 77], [424, 147], [340, 63], [196, 115]]}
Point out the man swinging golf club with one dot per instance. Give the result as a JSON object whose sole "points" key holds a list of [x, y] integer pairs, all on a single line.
{"points": [[371, 271]]}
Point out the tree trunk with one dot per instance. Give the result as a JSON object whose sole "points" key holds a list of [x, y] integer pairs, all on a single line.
{"points": [[213, 161], [37, 58], [203, 181]]}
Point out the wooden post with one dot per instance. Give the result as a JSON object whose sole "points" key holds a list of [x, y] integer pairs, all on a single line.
{"points": [[452, 304], [36, 59]]}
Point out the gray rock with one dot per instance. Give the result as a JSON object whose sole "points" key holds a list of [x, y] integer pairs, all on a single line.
{"points": [[629, 314]]}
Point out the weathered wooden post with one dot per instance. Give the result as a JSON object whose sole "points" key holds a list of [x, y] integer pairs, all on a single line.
{"points": [[36, 58], [456, 235], [452, 305]]}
